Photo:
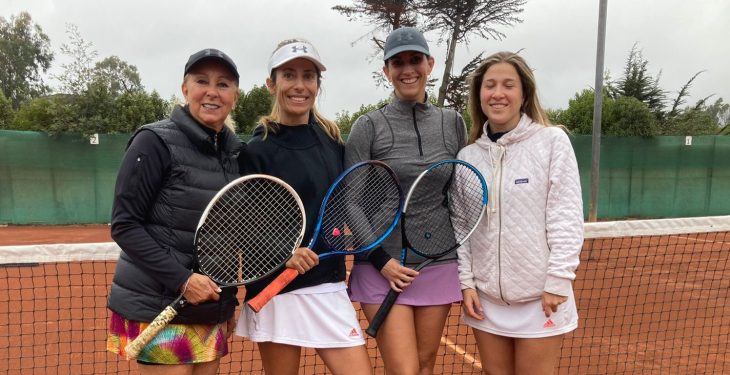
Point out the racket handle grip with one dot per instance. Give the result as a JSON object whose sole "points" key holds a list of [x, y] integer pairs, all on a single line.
{"points": [[382, 313], [257, 303], [135, 347]]}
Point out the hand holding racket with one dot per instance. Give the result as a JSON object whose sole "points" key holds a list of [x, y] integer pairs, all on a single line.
{"points": [[359, 211], [247, 231], [443, 207]]}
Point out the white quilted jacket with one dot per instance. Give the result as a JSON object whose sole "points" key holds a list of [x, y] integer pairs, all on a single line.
{"points": [[531, 237]]}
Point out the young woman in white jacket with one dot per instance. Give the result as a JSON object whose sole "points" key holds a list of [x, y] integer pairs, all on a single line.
{"points": [[517, 269]]}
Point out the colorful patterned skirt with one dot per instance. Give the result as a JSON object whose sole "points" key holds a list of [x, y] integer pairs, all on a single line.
{"points": [[176, 344]]}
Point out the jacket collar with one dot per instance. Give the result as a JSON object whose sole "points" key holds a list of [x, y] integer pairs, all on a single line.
{"points": [[408, 106], [198, 133], [524, 129]]}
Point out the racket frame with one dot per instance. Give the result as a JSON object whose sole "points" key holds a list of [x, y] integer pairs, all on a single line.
{"points": [[333, 186], [134, 347], [392, 296], [289, 274]]}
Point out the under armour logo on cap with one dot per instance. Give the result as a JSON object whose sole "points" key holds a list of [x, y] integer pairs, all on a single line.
{"points": [[213, 52], [300, 47], [291, 49], [405, 39]]}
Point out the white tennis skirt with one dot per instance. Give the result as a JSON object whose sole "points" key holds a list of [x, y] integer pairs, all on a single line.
{"points": [[320, 316], [524, 320]]}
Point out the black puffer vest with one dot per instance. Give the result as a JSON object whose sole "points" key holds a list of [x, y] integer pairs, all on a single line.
{"points": [[197, 173]]}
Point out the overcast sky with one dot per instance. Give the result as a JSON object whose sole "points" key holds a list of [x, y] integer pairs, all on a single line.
{"points": [[557, 37]]}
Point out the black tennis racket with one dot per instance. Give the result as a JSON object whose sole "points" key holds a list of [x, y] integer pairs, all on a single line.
{"points": [[359, 211], [443, 207], [248, 230]]}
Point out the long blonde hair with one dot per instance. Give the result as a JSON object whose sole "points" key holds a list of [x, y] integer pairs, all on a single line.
{"points": [[271, 122], [530, 105]]}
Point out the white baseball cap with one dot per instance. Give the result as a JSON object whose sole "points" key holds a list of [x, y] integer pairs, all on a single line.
{"points": [[291, 49]]}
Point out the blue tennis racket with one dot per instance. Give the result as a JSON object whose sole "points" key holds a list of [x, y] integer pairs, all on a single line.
{"points": [[361, 208], [443, 207]]}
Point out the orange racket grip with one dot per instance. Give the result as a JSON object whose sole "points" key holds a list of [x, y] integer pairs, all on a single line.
{"points": [[257, 303]]}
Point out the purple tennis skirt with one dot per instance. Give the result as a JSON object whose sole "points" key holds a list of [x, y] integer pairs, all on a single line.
{"points": [[435, 285]]}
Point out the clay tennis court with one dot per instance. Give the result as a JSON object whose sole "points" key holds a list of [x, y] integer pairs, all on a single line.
{"points": [[648, 305]]}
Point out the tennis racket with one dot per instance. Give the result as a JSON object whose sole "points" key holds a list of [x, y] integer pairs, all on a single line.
{"points": [[248, 230], [360, 209], [443, 207]]}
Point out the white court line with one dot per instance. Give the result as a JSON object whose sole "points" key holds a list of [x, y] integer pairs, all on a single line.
{"points": [[699, 240], [460, 351]]}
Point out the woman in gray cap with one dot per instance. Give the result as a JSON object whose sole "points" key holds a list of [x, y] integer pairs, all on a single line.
{"points": [[409, 134], [170, 172]]}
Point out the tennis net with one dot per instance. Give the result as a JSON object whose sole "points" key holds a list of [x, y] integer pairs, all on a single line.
{"points": [[652, 297]]}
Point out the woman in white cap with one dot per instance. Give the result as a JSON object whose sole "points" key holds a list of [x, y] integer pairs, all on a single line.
{"points": [[169, 173], [409, 134], [302, 147]]}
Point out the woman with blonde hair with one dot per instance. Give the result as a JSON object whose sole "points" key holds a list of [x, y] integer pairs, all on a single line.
{"points": [[516, 270], [300, 146], [169, 173]]}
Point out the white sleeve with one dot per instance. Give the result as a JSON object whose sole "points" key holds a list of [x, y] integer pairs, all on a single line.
{"points": [[564, 217]]}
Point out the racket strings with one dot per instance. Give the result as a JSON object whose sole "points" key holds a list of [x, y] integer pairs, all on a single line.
{"points": [[248, 232], [443, 207], [467, 202], [361, 208]]}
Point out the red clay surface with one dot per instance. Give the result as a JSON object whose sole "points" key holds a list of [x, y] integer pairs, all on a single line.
{"points": [[40, 304], [31, 235], [647, 305]]}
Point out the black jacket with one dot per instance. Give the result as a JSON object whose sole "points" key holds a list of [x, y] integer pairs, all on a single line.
{"points": [[308, 160], [170, 172]]}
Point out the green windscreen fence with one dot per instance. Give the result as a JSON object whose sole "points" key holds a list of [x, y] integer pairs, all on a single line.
{"points": [[658, 177], [57, 180], [67, 180]]}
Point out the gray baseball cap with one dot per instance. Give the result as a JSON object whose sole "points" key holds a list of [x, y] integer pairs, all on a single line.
{"points": [[404, 39], [211, 54]]}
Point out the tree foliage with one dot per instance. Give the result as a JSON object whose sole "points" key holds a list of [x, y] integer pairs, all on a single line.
{"points": [[690, 122], [250, 107], [720, 111], [635, 105], [6, 112], [52, 114], [385, 15], [458, 20], [345, 119], [77, 74], [117, 75], [625, 116], [101, 110], [136, 108], [104, 96], [638, 83], [25, 53], [457, 89]]}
